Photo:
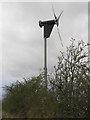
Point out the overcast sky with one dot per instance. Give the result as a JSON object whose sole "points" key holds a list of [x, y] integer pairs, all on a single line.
{"points": [[22, 38]]}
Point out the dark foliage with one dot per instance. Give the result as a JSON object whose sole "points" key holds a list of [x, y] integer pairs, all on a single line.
{"points": [[67, 93]]}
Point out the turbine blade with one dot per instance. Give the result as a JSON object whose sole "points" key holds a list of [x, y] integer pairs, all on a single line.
{"points": [[54, 12], [60, 15], [59, 36]]}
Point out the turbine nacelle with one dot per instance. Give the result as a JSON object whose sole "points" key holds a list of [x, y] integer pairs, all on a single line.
{"points": [[49, 22]]}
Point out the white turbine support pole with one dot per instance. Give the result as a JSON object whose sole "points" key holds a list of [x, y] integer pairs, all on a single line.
{"points": [[45, 61]]}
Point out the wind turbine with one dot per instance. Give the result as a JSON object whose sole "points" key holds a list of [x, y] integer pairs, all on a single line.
{"points": [[48, 26]]}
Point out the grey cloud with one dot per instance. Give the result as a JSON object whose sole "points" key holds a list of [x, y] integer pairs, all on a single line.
{"points": [[23, 39]]}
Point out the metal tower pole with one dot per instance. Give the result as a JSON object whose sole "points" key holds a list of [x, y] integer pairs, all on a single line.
{"points": [[45, 61]]}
